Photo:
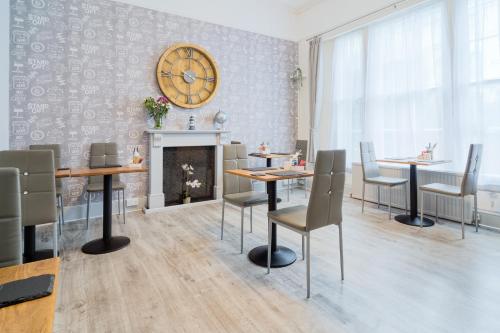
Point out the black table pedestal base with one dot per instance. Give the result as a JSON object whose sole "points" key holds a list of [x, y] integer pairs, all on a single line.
{"points": [[414, 221], [282, 257], [101, 246], [39, 255]]}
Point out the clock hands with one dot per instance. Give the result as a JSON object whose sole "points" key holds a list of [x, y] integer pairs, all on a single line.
{"points": [[189, 75]]}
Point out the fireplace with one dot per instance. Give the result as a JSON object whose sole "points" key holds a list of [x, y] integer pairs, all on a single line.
{"points": [[168, 150], [202, 159]]}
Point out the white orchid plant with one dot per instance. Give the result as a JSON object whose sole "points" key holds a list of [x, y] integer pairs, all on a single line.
{"points": [[188, 183]]}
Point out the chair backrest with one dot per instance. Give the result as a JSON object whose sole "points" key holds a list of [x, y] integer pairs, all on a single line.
{"points": [[327, 192], [103, 155], [10, 218], [471, 174], [302, 146], [37, 184], [369, 163], [56, 148], [235, 157]]}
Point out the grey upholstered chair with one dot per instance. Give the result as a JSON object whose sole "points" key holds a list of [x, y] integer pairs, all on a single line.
{"points": [[238, 190], [56, 148], [300, 145], [10, 218], [468, 186], [371, 175], [104, 155], [38, 187], [324, 208]]}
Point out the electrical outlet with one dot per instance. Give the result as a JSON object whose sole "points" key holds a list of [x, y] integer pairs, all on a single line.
{"points": [[132, 202]]}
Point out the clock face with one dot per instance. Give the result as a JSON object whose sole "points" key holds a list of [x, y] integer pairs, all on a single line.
{"points": [[187, 75]]}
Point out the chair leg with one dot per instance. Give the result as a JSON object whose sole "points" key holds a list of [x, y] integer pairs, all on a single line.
{"points": [[288, 190], [269, 232], [303, 239], [59, 217], [475, 213], [390, 201], [62, 209], [421, 209], [308, 264], [251, 219], [378, 197], [341, 244], [363, 199], [305, 188], [437, 213], [55, 237], [463, 221], [242, 219], [222, 222], [123, 203], [119, 210], [406, 198], [88, 208]]}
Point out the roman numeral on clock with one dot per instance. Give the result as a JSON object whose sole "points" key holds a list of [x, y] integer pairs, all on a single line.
{"points": [[189, 99], [166, 74]]}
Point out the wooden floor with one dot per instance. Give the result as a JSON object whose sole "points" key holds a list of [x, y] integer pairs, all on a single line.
{"points": [[178, 276]]}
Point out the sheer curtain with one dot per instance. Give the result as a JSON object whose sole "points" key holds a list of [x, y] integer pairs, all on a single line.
{"points": [[477, 82], [407, 100]]}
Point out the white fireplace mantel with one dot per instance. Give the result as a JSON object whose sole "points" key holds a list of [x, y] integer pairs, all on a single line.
{"points": [[158, 139]]}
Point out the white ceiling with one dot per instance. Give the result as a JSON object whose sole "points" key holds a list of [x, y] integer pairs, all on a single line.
{"points": [[299, 6]]}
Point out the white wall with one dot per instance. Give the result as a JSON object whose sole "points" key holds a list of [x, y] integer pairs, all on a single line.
{"points": [[266, 17], [4, 81]]}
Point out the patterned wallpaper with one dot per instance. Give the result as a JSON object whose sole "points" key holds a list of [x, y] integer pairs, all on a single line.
{"points": [[80, 69]]}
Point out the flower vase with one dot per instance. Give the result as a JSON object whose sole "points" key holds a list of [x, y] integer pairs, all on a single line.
{"points": [[186, 200], [158, 122]]}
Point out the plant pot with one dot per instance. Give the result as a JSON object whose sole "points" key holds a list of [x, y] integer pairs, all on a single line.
{"points": [[186, 200]]}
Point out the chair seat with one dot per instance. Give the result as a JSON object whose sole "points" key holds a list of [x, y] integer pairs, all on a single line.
{"points": [[99, 187], [294, 217], [442, 189], [388, 181], [246, 199]]}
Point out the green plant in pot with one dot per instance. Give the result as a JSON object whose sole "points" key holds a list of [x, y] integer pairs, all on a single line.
{"points": [[157, 109]]}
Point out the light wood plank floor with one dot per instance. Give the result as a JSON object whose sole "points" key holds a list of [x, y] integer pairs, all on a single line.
{"points": [[178, 276]]}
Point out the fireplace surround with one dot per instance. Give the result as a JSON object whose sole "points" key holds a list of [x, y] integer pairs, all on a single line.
{"points": [[181, 140]]}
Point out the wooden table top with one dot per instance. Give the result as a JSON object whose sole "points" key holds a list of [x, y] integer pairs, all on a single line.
{"points": [[33, 316], [413, 161], [85, 172], [272, 155], [262, 176]]}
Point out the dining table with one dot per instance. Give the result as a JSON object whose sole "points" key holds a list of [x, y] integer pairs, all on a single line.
{"points": [[281, 256], [413, 218], [108, 242]]}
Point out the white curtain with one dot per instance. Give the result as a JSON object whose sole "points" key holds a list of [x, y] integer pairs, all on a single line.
{"points": [[477, 82], [407, 101]]}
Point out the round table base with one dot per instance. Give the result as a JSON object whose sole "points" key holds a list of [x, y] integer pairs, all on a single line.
{"points": [[282, 257], [101, 246], [414, 221]]}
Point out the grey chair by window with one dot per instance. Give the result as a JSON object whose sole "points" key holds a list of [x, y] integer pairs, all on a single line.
{"points": [[324, 208], [300, 145], [371, 175], [104, 155], [238, 190], [38, 190], [10, 218], [56, 148], [467, 188]]}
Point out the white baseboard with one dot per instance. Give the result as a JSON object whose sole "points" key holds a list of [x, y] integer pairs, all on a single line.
{"points": [[175, 207]]}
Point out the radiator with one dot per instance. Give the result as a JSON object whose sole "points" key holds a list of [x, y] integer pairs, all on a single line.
{"points": [[449, 208]]}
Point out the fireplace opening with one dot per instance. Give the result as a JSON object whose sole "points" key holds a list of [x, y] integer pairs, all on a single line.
{"points": [[202, 159]]}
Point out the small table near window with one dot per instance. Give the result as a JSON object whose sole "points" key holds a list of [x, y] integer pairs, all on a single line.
{"points": [[107, 243], [281, 256], [413, 219], [270, 157]]}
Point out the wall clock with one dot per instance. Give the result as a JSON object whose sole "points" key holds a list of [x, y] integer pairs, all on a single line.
{"points": [[187, 75]]}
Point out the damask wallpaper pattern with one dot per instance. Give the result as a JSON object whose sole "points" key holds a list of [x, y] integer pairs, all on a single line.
{"points": [[80, 70]]}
